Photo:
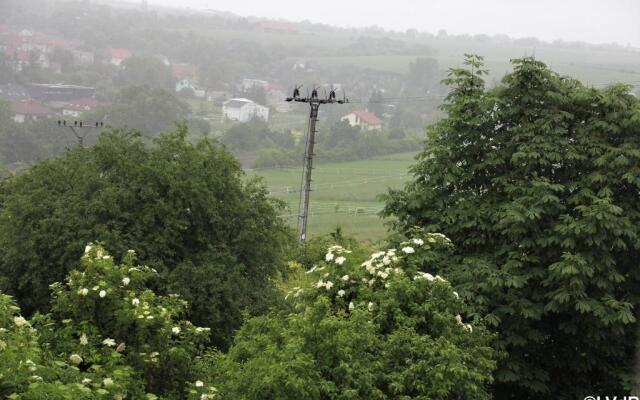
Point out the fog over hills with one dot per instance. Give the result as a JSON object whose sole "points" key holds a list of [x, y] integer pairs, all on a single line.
{"points": [[571, 20]]}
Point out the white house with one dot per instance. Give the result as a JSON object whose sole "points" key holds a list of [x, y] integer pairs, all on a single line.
{"points": [[242, 110], [364, 119]]}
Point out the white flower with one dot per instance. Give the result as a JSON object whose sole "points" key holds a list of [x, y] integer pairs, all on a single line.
{"points": [[126, 280], [320, 284], [370, 306], [107, 381], [468, 327], [83, 340], [102, 293], [75, 358], [351, 306], [341, 292], [20, 321], [340, 260], [87, 248], [86, 381], [459, 318], [199, 384], [135, 301], [328, 256], [83, 291], [3, 345], [175, 330], [386, 260], [418, 242], [456, 294], [328, 285], [345, 278], [109, 342], [408, 250]]}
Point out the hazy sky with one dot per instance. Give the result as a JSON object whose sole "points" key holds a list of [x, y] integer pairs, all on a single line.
{"points": [[594, 21]]}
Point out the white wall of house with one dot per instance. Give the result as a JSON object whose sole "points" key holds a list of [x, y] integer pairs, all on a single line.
{"points": [[244, 112]]}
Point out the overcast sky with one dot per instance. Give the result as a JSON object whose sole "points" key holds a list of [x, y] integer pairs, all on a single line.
{"points": [[596, 21]]}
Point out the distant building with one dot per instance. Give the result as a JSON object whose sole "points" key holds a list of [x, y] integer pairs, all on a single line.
{"points": [[364, 119], [248, 84], [57, 92], [215, 95], [243, 110], [84, 58], [26, 110], [117, 56], [184, 71]]}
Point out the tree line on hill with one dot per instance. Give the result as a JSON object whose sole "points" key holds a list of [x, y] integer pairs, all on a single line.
{"points": [[156, 269]]}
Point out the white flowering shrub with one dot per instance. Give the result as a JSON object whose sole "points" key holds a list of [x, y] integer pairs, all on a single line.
{"points": [[108, 336], [378, 328]]}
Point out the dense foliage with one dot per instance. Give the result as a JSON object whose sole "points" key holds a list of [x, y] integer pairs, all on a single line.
{"points": [[380, 329], [187, 209], [108, 337], [536, 182]]}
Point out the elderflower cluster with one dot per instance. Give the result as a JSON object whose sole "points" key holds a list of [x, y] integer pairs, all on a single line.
{"points": [[334, 253]]}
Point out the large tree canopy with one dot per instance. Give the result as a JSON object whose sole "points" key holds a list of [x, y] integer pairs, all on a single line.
{"points": [[213, 235], [536, 183]]}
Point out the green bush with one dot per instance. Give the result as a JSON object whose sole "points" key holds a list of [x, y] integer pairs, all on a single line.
{"points": [[379, 329]]}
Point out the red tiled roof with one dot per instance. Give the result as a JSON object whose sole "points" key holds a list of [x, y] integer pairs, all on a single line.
{"points": [[119, 53], [368, 118], [31, 108], [184, 71]]}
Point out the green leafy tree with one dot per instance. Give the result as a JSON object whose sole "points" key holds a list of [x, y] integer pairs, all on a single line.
{"points": [[187, 208], [536, 183], [379, 329], [145, 70], [147, 109]]}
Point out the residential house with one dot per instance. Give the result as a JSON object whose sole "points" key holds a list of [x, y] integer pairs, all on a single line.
{"points": [[184, 71], [117, 56], [243, 110], [248, 84], [364, 119], [25, 110]]}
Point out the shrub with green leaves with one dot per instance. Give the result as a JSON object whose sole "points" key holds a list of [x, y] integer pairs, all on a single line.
{"points": [[377, 328], [536, 182], [108, 336]]}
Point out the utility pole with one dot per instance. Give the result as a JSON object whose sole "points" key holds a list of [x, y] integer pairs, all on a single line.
{"points": [[305, 192], [77, 127]]}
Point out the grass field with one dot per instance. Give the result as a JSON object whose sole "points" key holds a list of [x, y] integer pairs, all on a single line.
{"points": [[344, 194]]}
